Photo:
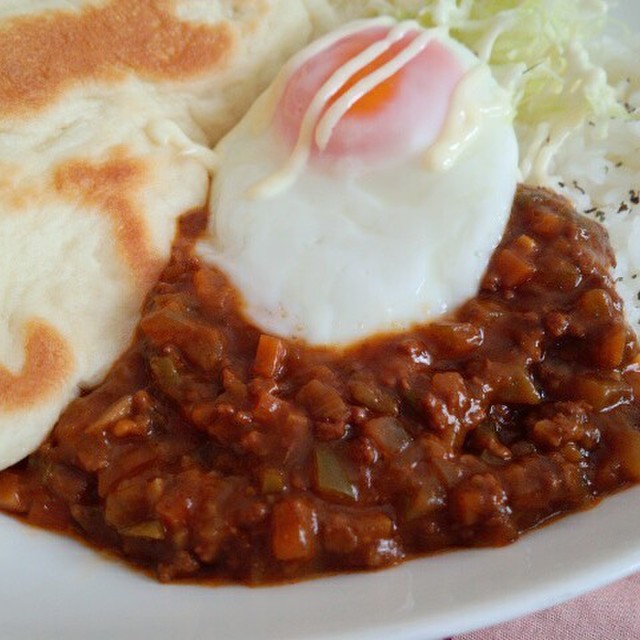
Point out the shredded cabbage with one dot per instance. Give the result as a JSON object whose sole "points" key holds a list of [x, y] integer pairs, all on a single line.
{"points": [[540, 45]]}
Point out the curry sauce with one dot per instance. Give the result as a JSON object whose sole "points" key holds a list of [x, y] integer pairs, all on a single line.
{"points": [[214, 450]]}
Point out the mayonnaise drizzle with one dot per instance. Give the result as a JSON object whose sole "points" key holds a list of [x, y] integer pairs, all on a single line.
{"points": [[468, 110], [340, 107], [324, 127]]}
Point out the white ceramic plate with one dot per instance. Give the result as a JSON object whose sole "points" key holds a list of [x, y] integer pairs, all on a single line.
{"points": [[54, 588]]}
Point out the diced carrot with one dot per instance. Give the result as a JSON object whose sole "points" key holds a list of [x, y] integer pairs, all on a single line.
{"points": [[627, 446], [525, 245], [293, 530], [270, 356], [546, 223], [632, 377], [601, 394], [596, 304], [11, 498], [561, 275], [513, 269], [609, 352]]}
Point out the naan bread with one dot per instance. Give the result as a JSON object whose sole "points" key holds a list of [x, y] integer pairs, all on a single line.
{"points": [[107, 113]]}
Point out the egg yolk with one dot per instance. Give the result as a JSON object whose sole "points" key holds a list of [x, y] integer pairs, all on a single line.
{"points": [[402, 108], [381, 94]]}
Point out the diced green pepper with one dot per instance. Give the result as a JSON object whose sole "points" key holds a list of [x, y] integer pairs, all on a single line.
{"points": [[272, 481], [166, 374], [331, 476]]}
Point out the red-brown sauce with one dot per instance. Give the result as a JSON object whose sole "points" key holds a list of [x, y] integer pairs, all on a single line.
{"points": [[212, 450]]}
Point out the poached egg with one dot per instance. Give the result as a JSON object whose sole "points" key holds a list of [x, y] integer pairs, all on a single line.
{"points": [[367, 188]]}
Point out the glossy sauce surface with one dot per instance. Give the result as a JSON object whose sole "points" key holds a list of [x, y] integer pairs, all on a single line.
{"points": [[212, 450]]}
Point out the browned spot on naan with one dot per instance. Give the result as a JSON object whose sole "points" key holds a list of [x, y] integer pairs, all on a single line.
{"points": [[48, 364], [8, 177], [16, 193], [40, 56], [112, 187]]}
